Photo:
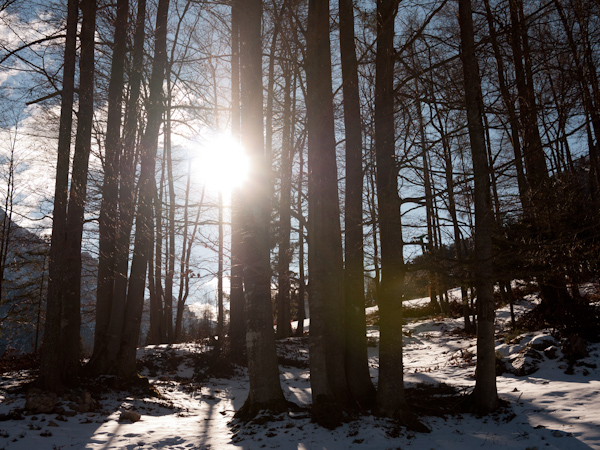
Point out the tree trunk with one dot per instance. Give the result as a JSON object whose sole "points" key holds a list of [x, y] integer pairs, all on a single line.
{"points": [[357, 363], [535, 163], [104, 358], [77, 196], [158, 329], [512, 115], [587, 78], [137, 280], [184, 276], [328, 379], [372, 195], [485, 395], [5, 238], [220, 314], [170, 272], [301, 316], [433, 285], [391, 401], [265, 388], [237, 319], [51, 377], [283, 294], [108, 220]]}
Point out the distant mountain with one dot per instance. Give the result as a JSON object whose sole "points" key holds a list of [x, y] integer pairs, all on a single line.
{"points": [[24, 289]]}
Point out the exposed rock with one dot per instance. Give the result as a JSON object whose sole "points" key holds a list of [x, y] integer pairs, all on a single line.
{"points": [[130, 415], [575, 347], [501, 366], [86, 403], [551, 352], [40, 402], [525, 363], [542, 342], [13, 415]]}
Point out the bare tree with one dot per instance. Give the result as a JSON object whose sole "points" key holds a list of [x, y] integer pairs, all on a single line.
{"points": [[357, 367], [50, 366], [391, 400], [149, 143], [485, 395], [108, 220], [265, 388], [60, 364], [328, 381]]}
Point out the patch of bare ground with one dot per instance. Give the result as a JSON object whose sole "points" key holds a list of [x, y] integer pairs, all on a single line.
{"points": [[15, 362], [438, 400]]}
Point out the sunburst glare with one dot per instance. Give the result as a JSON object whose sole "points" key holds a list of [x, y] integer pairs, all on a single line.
{"points": [[220, 163]]}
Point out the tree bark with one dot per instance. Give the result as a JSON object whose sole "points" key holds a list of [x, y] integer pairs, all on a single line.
{"points": [[284, 328], [185, 272], [220, 314], [265, 388], [77, 197], [485, 395], [127, 195], [149, 143], [533, 152], [108, 220], [512, 115], [330, 390], [237, 319], [301, 273], [50, 367], [170, 270], [357, 363], [391, 400]]}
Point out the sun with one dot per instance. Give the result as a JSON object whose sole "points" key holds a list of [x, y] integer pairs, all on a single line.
{"points": [[220, 163]]}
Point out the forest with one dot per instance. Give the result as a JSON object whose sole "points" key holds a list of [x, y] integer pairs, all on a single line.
{"points": [[296, 160]]}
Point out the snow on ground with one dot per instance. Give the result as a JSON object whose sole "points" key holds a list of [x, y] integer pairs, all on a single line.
{"points": [[547, 409]]}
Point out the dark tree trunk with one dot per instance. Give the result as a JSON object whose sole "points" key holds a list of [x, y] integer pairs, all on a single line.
{"points": [[301, 274], [552, 286], [265, 388], [330, 391], [284, 328], [105, 360], [6, 227], [139, 264], [158, 329], [372, 195], [429, 213], [512, 115], [184, 275], [170, 272], [533, 152], [391, 399], [587, 78], [485, 395], [220, 314], [357, 365], [50, 367], [77, 196], [237, 319], [69, 292], [108, 220]]}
